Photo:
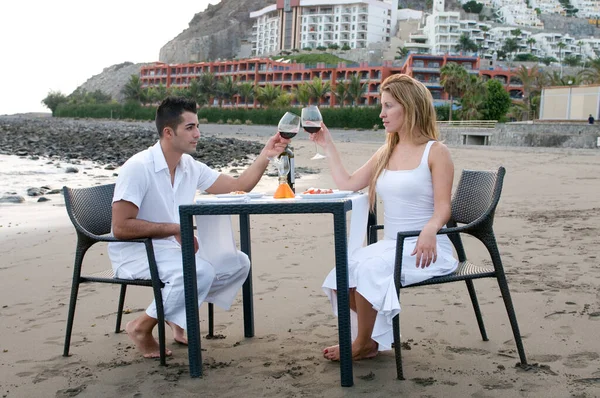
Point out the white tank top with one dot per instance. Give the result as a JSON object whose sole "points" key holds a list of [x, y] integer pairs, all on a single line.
{"points": [[407, 197]]}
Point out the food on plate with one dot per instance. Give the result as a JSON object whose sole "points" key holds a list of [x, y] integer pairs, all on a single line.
{"points": [[317, 191], [238, 193]]}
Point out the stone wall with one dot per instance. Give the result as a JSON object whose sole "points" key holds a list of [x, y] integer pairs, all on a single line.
{"points": [[557, 135]]}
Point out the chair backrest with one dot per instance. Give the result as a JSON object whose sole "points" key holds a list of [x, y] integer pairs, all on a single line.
{"points": [[477, 195], [90, 209]]}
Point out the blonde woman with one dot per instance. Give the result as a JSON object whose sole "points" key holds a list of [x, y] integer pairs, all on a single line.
{"points": [[412, 174]]}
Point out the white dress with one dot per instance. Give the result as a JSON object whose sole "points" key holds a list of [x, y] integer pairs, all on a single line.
{"points": [[407, 197]]}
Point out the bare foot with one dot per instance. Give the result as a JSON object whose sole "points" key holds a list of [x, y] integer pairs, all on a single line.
{"points": [[359, 352], [144, 341], [178, 333]]}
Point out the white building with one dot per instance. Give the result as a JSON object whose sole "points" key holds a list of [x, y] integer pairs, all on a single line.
{"points": [[587, 8], [265, 31], [322, 23]]}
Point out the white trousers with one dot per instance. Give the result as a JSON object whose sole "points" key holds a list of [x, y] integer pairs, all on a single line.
{"points": [[217, 283]]}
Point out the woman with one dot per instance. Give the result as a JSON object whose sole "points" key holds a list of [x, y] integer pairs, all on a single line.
{"points": [[412, 173]]}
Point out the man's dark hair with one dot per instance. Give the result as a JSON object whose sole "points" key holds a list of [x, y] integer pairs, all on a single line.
{"points": [[168, 113]]}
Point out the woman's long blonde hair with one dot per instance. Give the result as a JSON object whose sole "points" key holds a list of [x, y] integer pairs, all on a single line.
{"points": [[419, 120]]}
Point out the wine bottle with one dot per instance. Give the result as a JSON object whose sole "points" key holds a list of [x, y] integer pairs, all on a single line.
{"points": [[291, 177]]}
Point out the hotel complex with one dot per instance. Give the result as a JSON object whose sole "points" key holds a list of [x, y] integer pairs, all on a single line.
{"points": [[263, 71], [298, 24], [355, 24]]}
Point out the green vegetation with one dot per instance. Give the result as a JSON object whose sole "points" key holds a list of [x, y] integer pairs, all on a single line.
{"points": [[473, 7], [311, 59]]}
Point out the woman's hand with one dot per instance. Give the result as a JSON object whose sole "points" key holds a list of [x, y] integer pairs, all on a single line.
{"points": [[322, 137], [426, 248]]}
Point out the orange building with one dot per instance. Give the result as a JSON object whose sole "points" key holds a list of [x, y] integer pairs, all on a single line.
{"points": [[262, 71]]}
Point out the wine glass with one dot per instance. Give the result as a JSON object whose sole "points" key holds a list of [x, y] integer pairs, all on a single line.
{"points": [[289, 125], [311, 122]]}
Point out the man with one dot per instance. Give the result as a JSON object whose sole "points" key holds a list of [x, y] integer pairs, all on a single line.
{"points": [[150, 187], [591, 119]]}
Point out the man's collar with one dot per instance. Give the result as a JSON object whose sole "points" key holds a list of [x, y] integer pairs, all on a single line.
{"points": [[158, 157]]}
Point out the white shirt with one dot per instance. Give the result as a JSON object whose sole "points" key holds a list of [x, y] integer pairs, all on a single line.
{"points": [[145, 181]]}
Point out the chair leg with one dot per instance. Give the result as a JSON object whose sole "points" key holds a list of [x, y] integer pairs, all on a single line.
{"points": [[120, 309], [398, 347], [71, 316], [512, 317], [471, 289], [211, 321]]}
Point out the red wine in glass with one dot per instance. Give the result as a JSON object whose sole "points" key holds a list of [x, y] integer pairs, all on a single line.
{"points": [[288, 134], [311, 129]]}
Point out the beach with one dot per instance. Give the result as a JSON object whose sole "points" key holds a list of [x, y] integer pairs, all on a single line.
{"points": [[547, 226]]}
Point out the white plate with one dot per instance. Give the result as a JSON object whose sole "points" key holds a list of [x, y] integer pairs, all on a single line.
{"points": [[248, 194], [230, 199], [334, 195], [255, 195]]}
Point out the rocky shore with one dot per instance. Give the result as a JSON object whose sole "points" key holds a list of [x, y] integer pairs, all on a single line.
{"points": [[55, 151], [107, 142]]}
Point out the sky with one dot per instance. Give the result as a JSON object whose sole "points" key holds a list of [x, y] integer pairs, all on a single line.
{"points": [[56, 45]]}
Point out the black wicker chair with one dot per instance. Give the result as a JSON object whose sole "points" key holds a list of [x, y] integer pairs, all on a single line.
{"points": [[90, 210], [474, 204]]}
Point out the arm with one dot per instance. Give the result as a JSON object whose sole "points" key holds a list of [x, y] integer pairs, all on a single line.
{"points": [[442, 175], [343, 180], [125, 224], [250, 177]]}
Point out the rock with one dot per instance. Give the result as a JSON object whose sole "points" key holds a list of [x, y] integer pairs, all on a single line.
{"points": [[12, 199], [34, 191], [43, 199], [107, 142], [72, 170]]}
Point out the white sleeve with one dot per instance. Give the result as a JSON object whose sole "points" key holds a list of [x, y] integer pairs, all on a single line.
{"points": [[132, 183], [206, 176]]}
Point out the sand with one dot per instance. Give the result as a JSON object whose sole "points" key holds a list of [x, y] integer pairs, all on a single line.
{"points": [[547, 226]]}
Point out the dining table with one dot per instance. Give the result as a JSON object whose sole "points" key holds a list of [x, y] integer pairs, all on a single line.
{"points": [[336, 205]]}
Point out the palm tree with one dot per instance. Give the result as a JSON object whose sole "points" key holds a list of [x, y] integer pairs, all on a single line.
{"points": [[453, 78], [268, 94], [208, 85], [465, 43], [226, 89], [530, 42], [341, 93], [560, 46], [302, 94], [528, 78], [133, 90], [318, 89], [473, 98], [356, 89], [246, 92], [402, 52], [194, 91]]}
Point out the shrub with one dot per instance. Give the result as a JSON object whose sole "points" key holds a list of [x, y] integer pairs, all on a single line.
{"points": [[229, 121], [375, 127], [237, 121], [220, 121], [248, 122], [203, 120]]}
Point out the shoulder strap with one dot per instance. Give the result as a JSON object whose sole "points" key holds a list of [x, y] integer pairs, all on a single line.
{"points": [[425, 157]]}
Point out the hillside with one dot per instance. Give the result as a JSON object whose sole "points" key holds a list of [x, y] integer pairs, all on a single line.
{"points": [[215, 33], [112, 79]]}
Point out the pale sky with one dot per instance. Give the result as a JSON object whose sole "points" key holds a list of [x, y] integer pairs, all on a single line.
{"points": [[59, 44]]}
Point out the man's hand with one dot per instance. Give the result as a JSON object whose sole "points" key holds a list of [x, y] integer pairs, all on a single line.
{"points": [[275, 146], [196, 247]]}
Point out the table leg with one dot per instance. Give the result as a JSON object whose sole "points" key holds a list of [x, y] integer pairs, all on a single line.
{"points": [[190, 286], [245, 246], [341, 268]]}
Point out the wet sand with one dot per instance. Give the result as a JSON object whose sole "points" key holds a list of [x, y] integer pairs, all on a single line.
{"points": [[547, 226]]}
